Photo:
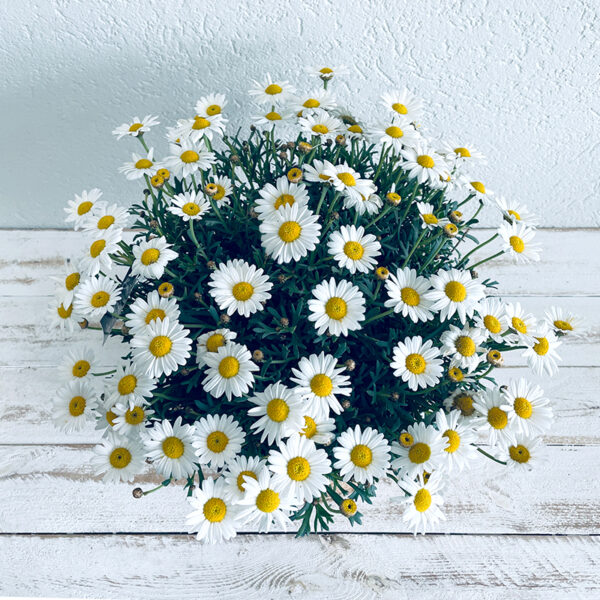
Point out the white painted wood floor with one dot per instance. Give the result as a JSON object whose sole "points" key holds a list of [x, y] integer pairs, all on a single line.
{"points": [[65, 534]]}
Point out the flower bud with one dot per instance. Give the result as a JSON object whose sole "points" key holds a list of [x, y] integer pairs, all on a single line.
{"points": [[393, 198], [382, 273], [157, 181], [350, 365], [210, 189], [164, 173], [304, 147], [258, 356], [166, 289], [494, 357], [225, 318], [450, 230], [348, 507], [84, 323], [284, 322], [137, 492], [455, 216], [340, 140], [294, 175]]}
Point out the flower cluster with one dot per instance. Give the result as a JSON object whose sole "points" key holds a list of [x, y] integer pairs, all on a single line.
{"points": [[297, 315]]}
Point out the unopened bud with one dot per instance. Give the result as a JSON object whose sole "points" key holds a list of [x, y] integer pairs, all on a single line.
{"points": [[84, 323], [284, 322], [494, 357], [137, 492], [350, 365], [258, 356], [225, 318]]}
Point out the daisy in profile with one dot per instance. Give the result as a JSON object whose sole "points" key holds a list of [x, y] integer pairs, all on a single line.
{"points": [[320, 381], [268, 91], [73, 405], [118, 458], [364, 203], [353, 249], [264, 504], [327, 73], [478, 189], [105, 217], [96, 296], [170, 448], [272, 118], [428, 218], [190, 206], [424, 164], [196, 128], [219, 439], [490, 316], [219, 189], [406, 291], [338, 307], [514, 212], [491, 419], [561, 321], [459, 154], [186, 158], [130, 419], [299, 469], [459, 437], [68, 282], [283, 193], [154, 307], [462, 401], [141, 165], [345, 179], [214, 518], [238, 286], [316, 173], [279, 412], [106, 416], [136, 127], [527, 407], [454, 291], [290, 233], [79, 209], [211, 342], [62, 315], [79, 363], [312, 101], [420, 449], [151, 257], [361, 455], [130, 385], [240, 467], [229, 371], [162, 347], [321, 124], [403, 104], [318, 428], [522, 324], [397, 133], [463, 346], [522, 451], [417, 363], [518, 242], [541, 356], [96, 257], [211, 105], [422, 506]]}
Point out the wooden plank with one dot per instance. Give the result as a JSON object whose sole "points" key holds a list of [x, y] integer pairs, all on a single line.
{"points": [[52, 489], [30, 257], [274, 567]]}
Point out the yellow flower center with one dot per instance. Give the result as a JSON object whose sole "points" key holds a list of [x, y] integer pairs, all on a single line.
{"points": [[242, 291], [290, 231], [135, 127], [406, 439], [72, 281], [217, 442], [326, 71], [190, 208], [105, 222], [127, 384], [298, 469], [200, 123], [283, 200], [394, 132], [240, 479], [64, 313], [517, 244], [267, 501], [320, 128], [150, 256], [519, 325], [455, 374], [311, 103], [336, 308], [477, 185], [310, 427], [214, 510], [523, 407], [189, 156], [143, 163], [399, 108], [278, 410], [220, 193], [492, 324], [160, 346], [430, 219], [273, 116], [135, 415], [229, 367], [110, 417], [410, 296], [425, 161], [462, 152], [273, 89], [361, 455], [153, 314], [355, 129], [81, 368], [321, 385], [166, 289], [456, 291], [120, 458], [348, 507], [214, 342], [84, 207], [100, 299], [515, 214], [422, 500], [519, 453], [497, 418], [464, 403], [419, 453], [465, 345], [173, 447], [347, 179], [415, 363], [453, 440], [97, 247], [563, 325], [542, 346], [354, 250], [77, 406]]}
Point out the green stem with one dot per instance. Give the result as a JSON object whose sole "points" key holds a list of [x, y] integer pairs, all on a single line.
{"points": [[384, 212], [379, 316], [322, 198], [487, 259], [463, 260], [143, 142], [417, 244], [501, 462]]}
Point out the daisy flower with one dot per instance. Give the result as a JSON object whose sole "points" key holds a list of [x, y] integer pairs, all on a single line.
{"points": [[318, 428], [417, 363], [229, 371], [320, 381], [96, 296], [73, 405], [186, 158], [490, 316], [522, 451], [337, 307], [527, 407], [290, 233], [542, 356], [79, 209], [97, 256], [196, 128], [62, 315], [491, 418], [211, 105], [279, 411], [478, 189], [130, 385], [424, 164], [353, 249], [236, 471], [461, 400], [105, 217], [140, 165], [345, 179], [130, 419], [161, 347], [459, 437], [265, 504], [362, 455], [136, 127], [219, 439], [397, 133], [421, 448], [454, 291], [143, 312], [422, 508], [170, 448], [430, 221], [283, 193], [404, 104], [268, 120], [312, 101], [463, 346], [68, 282], [327, 73], [561, 321], [521, 323], [219, 189], [270, 92], [369, 203], [517, 242], [118, 458], [321, 124], [406, 291], [514, 212], [214, 517], [355, 132], [106, 417], [78, 364], [458, 154], [211, 342], [151, 257], [299, 469], [189, 206], [315, 173]]}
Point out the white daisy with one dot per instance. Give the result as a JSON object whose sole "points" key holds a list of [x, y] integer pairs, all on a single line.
{"points": [[463, 346], [211, 105], [238, 286], [214, 518], [406, 291], [562, 321], [327, 73], [423, 503], [338, 307], [62, 315], [430, 221], [491, 419], [459, 437], [130, 419], [320, 381], [268, 91], [312, 101], [461, 400], [186, 158], [355, 131], [196, 128], [283, 193], [364, 203], [490, 316], [454, 291], [522, 451], [397, 133], [417, 363], [143, 312], [73, 405], [219, 439], [527, 406], [299, 469], [240, 467], [518, 242], [290, 233], [68, 281], [220, 189], [118, 458], [362, 455], [404, 104], [425, 165], [345, 179], [279, 411], [79, 209], [268, 120], [478, 189], [130, 385], [104, 217], [140, 165], [151, 257], [514, 212], [315, 173], [420, 449], [97, 258], [96, 296], [136, 127], [78, 364], [521, 323], [161, 347], [458, 153], [106, 416], [229, 371], [189, 206], [321, 124], [318, 428], [211, 342], [353, 249], [542, 356]]}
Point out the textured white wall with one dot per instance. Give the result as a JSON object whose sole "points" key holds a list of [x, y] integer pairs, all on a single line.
{"points": [[518, 79]]}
